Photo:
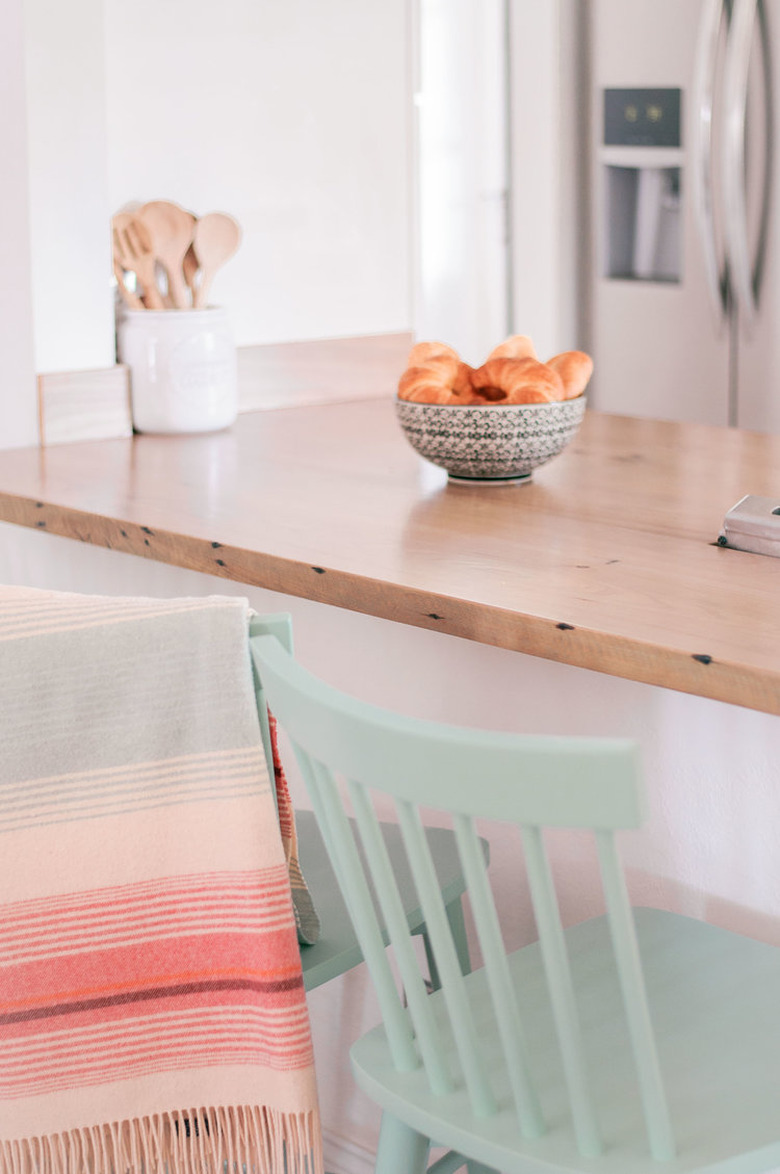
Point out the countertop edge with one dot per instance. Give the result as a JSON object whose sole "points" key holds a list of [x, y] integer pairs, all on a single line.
{"points": [[550, 638]]}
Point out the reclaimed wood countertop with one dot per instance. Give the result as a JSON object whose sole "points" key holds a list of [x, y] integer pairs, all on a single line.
{"points": [[608, 559]]}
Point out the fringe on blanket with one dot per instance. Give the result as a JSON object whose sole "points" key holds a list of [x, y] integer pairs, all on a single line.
{"points": [[238, 1139]]}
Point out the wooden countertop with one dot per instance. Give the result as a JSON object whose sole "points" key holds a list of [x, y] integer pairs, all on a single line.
{"points": [[607, 560]]}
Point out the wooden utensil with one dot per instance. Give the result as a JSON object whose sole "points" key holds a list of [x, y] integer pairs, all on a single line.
{"points": [[128, 297], [216, 238], [190, 266], [133, 251], [170, 228]]}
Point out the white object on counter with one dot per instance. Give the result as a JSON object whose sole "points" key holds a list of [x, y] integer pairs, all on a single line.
{"points": [[182, 369], [753, 524]]}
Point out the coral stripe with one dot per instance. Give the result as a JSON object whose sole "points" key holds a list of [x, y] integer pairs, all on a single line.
{"points": [[138, 973]]}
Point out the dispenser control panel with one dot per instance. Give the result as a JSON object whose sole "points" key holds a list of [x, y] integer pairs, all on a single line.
{"points": [[642, 118]]}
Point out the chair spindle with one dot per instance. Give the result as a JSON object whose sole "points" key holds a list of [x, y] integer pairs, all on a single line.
{"points": [[557, 969], [428, 1036], [629, 968], [483, 1101], [346, 864], [502, 990]]}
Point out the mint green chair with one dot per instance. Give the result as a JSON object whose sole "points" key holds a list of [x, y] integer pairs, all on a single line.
{"points": [[635, 1042], [337, 949]]}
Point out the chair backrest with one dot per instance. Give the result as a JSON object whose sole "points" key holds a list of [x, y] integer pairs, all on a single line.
{"points": [[347, 748]]}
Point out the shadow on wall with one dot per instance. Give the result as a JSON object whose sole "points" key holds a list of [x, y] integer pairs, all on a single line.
{"points": [[664, 893]]}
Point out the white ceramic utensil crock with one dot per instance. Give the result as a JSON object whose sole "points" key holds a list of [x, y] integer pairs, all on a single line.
{"points": [[182, 369]]}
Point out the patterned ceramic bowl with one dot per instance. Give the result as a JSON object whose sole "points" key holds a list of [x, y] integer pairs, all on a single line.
{"points": [[497, 442]]}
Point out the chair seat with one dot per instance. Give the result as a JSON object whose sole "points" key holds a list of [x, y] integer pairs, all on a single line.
{"points": [[713, 997], [337, 949]]}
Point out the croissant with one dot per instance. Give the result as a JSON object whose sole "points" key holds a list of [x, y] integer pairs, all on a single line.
{"points": [[423, 351], [512, 374], [517, 346], [453, 372], [424, 386], [441, 379], [517, 381], [575, 369]]}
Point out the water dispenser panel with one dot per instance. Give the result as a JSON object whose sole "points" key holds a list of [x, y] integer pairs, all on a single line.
{"points": [[642, 223], [642, 118]]}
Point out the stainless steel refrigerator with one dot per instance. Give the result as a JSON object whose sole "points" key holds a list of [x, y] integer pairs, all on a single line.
{"points": [[685, 281]]}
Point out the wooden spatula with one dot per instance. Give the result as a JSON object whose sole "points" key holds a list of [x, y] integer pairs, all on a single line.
{"points": [[217, 236], [133, 252], [170, 228]]}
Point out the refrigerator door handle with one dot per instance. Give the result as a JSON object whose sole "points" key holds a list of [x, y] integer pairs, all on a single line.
{"points": [[745, 276], [713, 13]]}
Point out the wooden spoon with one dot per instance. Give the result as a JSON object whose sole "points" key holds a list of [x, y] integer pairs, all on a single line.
{"points": [[217, 236], [191, 266], [170, 228], [133, 251]]}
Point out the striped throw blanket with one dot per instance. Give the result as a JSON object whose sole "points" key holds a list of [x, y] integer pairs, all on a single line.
{"points": [[152, 1012]]}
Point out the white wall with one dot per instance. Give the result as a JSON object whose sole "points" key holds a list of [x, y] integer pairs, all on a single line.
{"points": [[294, 118], [537, 120], [18, 417], [461, 256], [73, 310], [550, 148]]}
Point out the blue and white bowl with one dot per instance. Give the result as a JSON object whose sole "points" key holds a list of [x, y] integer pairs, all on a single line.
{"points": [[491, 443]]}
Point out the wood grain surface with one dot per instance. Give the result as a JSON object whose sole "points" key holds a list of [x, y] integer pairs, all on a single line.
{"points": [[84, 405], [608, 559]]}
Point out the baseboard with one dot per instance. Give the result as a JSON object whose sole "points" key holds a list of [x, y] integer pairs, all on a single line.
{"points": [[342, 1156]]}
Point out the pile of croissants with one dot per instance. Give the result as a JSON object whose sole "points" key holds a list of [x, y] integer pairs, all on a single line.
{"points": [[511, 374]]}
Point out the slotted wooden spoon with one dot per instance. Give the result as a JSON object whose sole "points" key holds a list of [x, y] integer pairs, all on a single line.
{"points": [[170, 228], [217, 236], [133, 252]]}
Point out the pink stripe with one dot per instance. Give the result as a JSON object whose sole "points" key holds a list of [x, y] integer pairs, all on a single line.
{"points": [[173, 922], [158, 1065], [222, 1049], [185, 1057], [242, 902], [292, 1044], [155, 915], [215, 882], [293, 1047], [56, 1047], [86, 1044]]}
